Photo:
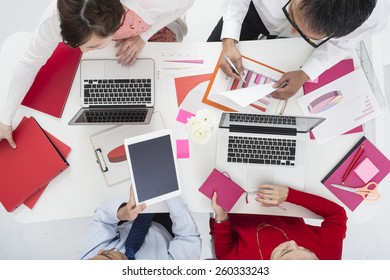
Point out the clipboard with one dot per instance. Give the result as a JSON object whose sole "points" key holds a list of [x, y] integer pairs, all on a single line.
{"points": [[219, 82], [351, 200], [108, 147]]}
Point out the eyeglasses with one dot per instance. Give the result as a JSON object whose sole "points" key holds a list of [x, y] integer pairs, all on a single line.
{"points": [[312, 42]]}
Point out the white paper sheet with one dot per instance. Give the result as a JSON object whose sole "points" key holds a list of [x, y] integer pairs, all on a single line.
{"points": [[245, 96], [355, 105]]}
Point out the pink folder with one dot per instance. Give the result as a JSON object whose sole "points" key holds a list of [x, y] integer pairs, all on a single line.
{"points": [[228, 192], [351, 200]]}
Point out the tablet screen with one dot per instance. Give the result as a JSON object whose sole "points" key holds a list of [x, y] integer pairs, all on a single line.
{"points": [[153, 167]]}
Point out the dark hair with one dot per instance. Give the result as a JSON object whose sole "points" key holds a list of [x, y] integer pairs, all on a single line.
{"points": [[80, 19], [335, 18]]}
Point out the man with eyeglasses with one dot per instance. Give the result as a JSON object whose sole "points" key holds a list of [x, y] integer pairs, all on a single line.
{"points": [[331, 27], [168, 237]]}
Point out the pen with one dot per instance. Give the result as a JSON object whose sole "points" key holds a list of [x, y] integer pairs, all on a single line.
{"points": [[283, 107], [355, 159], [233, 67]]}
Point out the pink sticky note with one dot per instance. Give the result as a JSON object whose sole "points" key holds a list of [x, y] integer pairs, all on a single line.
{"points": [[183, 148], [366, 170], [183, 116]]}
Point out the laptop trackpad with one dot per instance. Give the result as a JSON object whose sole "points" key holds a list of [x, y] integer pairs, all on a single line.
{"points": [[113, 69], [257, 177]]}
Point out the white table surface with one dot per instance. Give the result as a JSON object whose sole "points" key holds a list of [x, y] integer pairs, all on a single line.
{"points": [[78, 190]]}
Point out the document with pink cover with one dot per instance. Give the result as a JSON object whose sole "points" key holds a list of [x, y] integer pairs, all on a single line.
{"points": [[355, 179], [228, 192]]}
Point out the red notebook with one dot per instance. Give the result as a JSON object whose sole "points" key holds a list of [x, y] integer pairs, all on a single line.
{"points": [[64, 150], [29, 167], [53, 82], [228, 192]]}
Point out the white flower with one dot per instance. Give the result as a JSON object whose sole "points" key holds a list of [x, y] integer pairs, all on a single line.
{"points": [[200, 126]]}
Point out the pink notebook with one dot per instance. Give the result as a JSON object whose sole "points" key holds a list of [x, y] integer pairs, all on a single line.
{"points": [[228, 192], [351, 200]]}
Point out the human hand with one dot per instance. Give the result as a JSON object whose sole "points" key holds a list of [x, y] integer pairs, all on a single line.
{"points": [[293, 82], [229, 49], [129, 49], [271, 195], [220, 213], [6, 133], [130, 211]]}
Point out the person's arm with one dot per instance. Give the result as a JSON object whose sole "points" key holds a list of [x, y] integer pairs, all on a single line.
{"points": [[102, 229], [225, 245], [187, 243], [158, 13], [44, 41], [331, 52], [335, 217], [234, 12]]}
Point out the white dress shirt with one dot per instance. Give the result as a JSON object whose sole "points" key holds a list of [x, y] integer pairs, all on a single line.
{"points": [[156, 13], [276, 22], [104, 234]]}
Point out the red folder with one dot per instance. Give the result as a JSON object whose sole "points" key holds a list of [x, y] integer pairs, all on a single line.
{"points": [[64, 150], [228, 192], [29, 167], [53, 82]]}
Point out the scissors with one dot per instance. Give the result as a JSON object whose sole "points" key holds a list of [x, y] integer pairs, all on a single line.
{"points": [[368, 192]]}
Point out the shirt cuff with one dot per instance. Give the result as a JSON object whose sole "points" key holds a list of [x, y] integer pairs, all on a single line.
{"points": [[313, 69], [231, 29]]}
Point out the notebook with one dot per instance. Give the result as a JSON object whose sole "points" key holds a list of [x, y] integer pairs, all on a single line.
{"points": [[259, 149], [51, 86], [228, 192], [355, 178], [29, 167], [111, 93]]}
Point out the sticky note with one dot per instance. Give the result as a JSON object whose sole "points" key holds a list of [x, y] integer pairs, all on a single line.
{"points": [[183, 116], [183, 148], [366, 170]]}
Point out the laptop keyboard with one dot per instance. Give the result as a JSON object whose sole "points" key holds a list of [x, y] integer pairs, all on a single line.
{"points": [[118, 91], [262, 119], [116, 116], [260, 150]]}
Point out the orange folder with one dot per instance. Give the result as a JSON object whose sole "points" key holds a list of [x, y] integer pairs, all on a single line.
{"points": [[210, 102], [51, 86], [29, 167]]}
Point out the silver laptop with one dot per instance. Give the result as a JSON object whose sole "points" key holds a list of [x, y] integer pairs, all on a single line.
{"points": [[115, 94], [259, 149]]}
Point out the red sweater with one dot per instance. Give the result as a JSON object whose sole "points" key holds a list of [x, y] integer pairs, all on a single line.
{"points": [[236, 239]]}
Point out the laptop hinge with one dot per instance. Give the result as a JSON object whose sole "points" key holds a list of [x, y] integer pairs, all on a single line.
{"points": [[263, 130], [105, 106]]}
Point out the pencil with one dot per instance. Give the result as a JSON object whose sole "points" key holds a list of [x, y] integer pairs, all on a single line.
{"points": [[355, 159]]}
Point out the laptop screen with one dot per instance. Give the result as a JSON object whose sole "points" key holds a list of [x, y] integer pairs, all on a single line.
{"points": [[300, 123]]}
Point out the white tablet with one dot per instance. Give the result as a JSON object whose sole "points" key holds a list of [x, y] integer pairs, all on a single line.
{"points": [[152, 166]]}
